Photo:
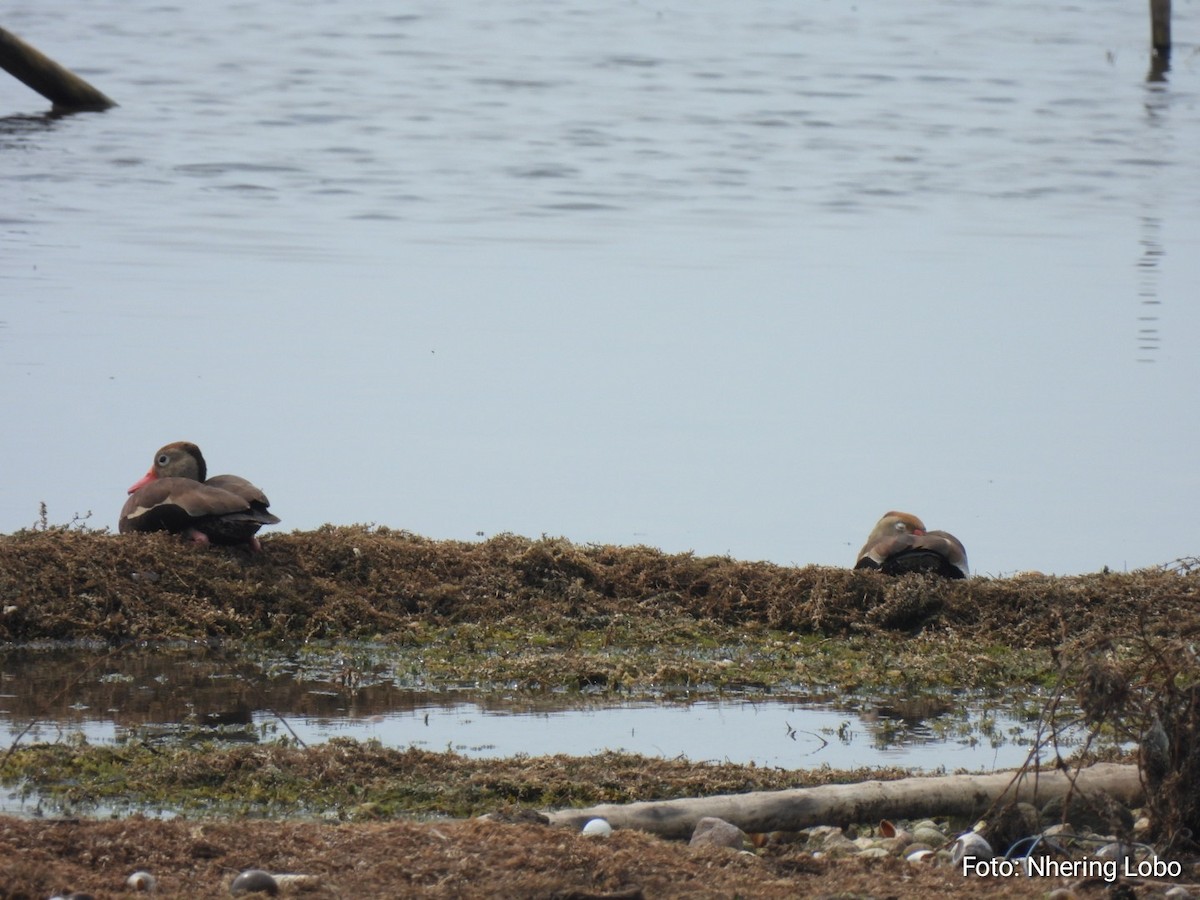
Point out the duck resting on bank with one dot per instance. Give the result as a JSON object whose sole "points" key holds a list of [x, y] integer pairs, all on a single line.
{"points": [[175, 496], [899, 544]]}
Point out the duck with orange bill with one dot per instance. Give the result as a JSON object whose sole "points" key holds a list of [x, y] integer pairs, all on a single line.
{"points": [[176, 496]]}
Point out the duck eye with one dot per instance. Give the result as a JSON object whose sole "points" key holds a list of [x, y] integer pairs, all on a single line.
{"points": [[163, 459]]}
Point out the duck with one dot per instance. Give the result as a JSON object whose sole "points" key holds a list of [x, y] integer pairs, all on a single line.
{"points": [[900, 543], [176, 496]]}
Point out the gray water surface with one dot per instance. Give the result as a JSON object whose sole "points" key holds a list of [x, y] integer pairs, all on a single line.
{"points": [[187, 694], [724, 277]]}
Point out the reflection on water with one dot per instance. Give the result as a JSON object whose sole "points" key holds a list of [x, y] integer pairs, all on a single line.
{"points": [[1160, 66], [1148, 338], [182, 693]]}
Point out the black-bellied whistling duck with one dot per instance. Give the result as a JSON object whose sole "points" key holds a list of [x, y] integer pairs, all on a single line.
{"points": [[175, 496], [901, 544]]}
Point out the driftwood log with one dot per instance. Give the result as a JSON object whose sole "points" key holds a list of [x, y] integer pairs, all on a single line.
{"points": [[966, 796], [64, 88]]}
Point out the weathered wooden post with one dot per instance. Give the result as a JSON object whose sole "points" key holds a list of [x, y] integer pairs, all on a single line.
{"points": [[1160, 27], [67, 91]]}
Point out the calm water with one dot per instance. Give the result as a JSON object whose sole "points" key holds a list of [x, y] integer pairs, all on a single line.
{"points": [[730, 277], [163, 694]]}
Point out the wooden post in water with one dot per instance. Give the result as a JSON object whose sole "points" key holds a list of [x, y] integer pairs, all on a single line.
{"points": [[1160, 27], [67, 91]]}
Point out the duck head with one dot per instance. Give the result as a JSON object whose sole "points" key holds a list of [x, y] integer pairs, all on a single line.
{"points": [[181, 459]]}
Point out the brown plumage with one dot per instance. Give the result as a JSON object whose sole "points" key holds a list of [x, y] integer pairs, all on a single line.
{"points": [[175, 496], [899, 543]]}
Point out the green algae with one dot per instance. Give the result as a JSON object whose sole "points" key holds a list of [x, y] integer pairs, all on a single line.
{"points": [[656, 658], [351, 780]]}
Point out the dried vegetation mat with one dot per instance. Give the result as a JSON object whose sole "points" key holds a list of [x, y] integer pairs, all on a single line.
{"points": [[449, 860]]}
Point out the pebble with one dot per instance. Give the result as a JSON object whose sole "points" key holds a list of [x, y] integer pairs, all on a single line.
{"points": [[141, 881], [254, 881], [714, 832], [837, 844], [928, 833], [818, 834], [597, 828]]}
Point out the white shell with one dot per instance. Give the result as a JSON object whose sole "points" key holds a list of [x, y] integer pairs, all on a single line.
{"points": [[597, 828], [970, 844], [141, 881]]}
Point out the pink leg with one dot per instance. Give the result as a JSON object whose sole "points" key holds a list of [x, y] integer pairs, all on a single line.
{"points": [[255, 545], [196, 537]]}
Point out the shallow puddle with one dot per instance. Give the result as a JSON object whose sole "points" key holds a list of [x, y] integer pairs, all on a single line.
{"points": [[768, 732], [188, 693]]}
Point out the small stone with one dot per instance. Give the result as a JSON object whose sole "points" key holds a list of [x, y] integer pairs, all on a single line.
{"points": [[874, 853], [597, 828], [254, 881], [837, 844], [141, 881], [713, 832], [928, 834], [819, 834]]}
